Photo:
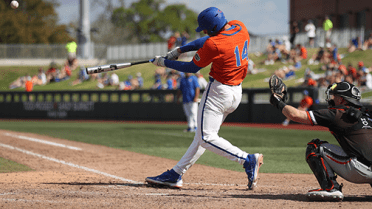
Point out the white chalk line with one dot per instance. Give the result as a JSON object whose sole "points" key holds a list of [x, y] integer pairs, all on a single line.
{"points": [[82, 167], [69, 164], [42, 141]]}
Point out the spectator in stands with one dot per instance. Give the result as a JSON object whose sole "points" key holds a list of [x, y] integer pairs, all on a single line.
{"points": [[71, 49], [334, 52], [364, 79], [352, 72], [103, 80], [201, 80], [82, 76], [127, 84], [368, 42], [114, 79], [286, 73], [302, 52], [157, 84], [309, 81], [305, 104], [51, 73], [327, 27], [355, 44], [172, 42], [28, 85], [139, 80], [251, 67], [63, 74], [171, 82], [18, 83], [294, 30], [273, 56], [318, 57], [185, 36], [40, 78], [310, 29]]}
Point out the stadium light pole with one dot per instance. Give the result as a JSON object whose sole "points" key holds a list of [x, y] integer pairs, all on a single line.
{"points": [[85, 45]]}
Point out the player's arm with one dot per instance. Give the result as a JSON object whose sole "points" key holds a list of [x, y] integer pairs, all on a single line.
{"points": [[192, 46], [296, 115]]}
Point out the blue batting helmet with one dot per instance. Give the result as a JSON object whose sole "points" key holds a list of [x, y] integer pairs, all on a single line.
{"points": [[211, 19]]}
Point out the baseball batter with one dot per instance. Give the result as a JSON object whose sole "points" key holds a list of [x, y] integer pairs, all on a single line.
{"points": [[226, 47]]}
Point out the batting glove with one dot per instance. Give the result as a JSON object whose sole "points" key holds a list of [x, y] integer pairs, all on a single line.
{"points": [[173, 54], [159, 61]]}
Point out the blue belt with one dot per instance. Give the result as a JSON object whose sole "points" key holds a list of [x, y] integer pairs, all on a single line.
{"points": [[212, 79]]}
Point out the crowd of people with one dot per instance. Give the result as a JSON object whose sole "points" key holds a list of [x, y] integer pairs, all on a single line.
{"points": [[53, 74], [334, 70]]}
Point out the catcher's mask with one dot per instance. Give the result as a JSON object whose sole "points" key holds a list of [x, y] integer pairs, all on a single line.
{"points": [[346, 90]]}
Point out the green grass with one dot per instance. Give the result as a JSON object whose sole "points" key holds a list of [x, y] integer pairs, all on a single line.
{"points": [[284, 150], [8, 166], [9, 74]]}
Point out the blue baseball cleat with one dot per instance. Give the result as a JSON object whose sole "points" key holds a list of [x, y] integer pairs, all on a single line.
{"points": [[169, 178], [252, 165]]}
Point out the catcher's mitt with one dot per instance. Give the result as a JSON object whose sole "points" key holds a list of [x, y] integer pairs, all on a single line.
{"points": [[278, 88]]}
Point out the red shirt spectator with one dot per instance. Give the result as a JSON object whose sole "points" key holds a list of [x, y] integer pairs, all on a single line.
{"points": [[171, 42], [352, 71], [306, 102], [311, 82], [343, 69], [29, 85], [303, 52]]}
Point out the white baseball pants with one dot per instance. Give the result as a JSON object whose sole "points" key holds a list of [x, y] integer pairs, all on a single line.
{"points": [[191, 112], [217, 102], [336, 160]]}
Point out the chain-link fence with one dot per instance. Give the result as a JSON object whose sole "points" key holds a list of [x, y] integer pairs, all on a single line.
{"points": [[146, 51]]}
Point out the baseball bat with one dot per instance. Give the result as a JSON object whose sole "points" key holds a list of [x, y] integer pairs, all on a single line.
{"points": [[112, 67]]}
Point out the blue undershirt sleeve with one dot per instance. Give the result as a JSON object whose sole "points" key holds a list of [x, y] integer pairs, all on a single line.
{"points": [[194, 45], [186, 67]]}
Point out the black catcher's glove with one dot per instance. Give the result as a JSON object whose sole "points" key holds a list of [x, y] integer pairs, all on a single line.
{"points": [[278, 88]]}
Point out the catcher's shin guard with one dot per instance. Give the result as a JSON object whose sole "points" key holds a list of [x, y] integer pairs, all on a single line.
{"points": [[323, 173]]}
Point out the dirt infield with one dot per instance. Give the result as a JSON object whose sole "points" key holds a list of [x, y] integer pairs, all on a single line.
{"points": [[71, 174]]}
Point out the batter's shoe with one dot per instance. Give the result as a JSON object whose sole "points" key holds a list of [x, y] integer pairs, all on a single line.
{"points": [[324, 195], [169, 178], [252, 165]]}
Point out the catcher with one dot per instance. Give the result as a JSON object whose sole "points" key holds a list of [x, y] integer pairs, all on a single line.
{"points": [[349, 122]]}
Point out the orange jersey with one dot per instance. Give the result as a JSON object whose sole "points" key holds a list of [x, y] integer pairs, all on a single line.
{"points": [[306, 102], [28, 86], [303, 53], [228, 53]]}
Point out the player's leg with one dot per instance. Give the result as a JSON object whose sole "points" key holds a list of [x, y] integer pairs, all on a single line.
{"points": [[173, 177], [348, 168], [194, 115], [220, 102], [330, 189], [188, 114]]}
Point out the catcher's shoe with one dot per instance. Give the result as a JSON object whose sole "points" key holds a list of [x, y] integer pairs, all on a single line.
{"points": [[252, 165], [324, 195], [169, 178]]}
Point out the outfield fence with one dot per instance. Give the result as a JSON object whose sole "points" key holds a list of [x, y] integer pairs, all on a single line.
{"points": [[151, 105]]}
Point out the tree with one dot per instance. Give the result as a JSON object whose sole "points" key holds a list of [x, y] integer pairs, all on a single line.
{"points": [[35, 21], [146, 22]]}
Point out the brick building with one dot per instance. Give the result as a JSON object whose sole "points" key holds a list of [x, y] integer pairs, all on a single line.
{"points": [[343, 13]]}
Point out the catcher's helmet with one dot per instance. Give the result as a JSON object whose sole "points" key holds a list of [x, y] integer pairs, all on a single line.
{"points": [[346, 90], [211, 19]]}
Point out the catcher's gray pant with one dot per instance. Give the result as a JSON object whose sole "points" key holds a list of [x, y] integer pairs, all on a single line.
{"points": [[217, 102], [336, 160], [191, 112]]}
